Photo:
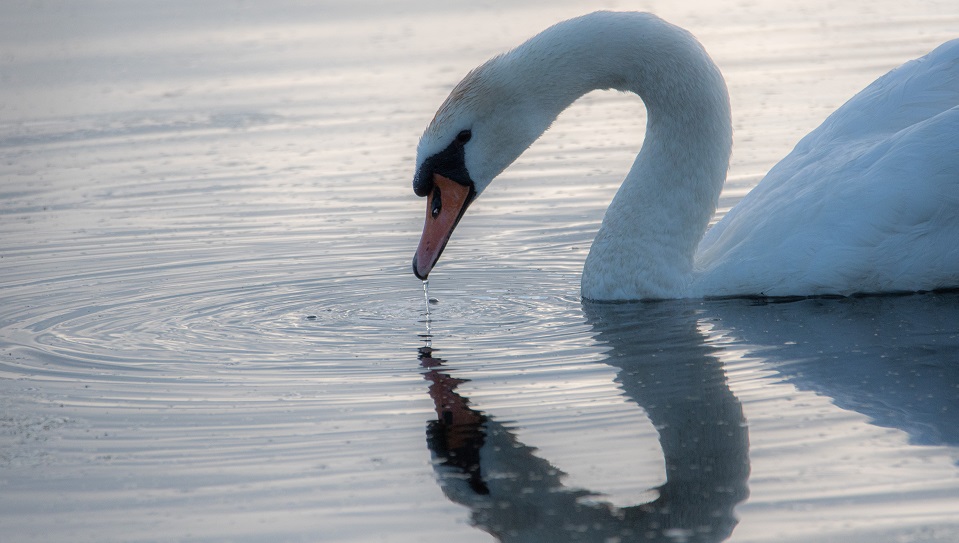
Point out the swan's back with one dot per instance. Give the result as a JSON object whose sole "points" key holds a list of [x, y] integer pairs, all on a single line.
{"points": [[867, 202]]}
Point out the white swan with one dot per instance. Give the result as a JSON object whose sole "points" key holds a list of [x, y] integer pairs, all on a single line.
{"points": [[866, 203]]}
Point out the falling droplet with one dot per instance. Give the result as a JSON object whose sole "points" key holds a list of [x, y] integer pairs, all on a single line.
{"points": [[426, 296]]}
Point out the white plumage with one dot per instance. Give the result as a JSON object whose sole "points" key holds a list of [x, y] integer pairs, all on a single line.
{"points": [[866, 203]]}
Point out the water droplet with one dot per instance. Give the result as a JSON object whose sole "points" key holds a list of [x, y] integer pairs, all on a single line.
{"points": [[426, 296]]}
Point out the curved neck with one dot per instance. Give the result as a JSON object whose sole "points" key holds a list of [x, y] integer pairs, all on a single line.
{"points": [[648, 238]]}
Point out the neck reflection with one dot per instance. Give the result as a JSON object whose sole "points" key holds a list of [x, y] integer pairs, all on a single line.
{"points": [[667, 369]]}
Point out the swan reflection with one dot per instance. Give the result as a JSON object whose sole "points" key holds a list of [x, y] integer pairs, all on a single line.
{"points": [[891, 358], [668, 370]]}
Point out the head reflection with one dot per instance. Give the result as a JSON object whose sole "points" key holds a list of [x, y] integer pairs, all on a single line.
{"points": [[459, 432], [667, 369]]}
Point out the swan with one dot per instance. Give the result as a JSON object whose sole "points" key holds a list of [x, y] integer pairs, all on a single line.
{"points": [[868, 202]]}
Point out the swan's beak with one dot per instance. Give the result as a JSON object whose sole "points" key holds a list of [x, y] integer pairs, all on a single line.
{"points": [[445, 205]]}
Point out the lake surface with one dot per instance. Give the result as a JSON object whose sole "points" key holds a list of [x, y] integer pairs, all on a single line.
{"points": [[209, 330]]}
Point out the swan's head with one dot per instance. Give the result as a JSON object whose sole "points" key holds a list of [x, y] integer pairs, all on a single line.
{"points": [[487, 121]]}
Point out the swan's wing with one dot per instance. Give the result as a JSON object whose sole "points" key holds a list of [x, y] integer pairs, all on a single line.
{"points": [[869, 201]]}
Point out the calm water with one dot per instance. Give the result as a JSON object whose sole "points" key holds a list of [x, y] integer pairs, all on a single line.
{"points": [[209, 330]]}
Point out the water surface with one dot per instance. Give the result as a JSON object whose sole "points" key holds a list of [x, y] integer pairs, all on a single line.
{"points": [[209, 330]]}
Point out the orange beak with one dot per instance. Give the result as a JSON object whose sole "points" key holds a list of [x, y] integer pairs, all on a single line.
{"points": [[446, 204]]}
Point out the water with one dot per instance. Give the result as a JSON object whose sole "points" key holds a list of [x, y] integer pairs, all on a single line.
{"points": [[209, 330]]}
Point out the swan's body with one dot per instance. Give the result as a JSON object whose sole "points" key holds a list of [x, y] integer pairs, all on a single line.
{"points": [[867, 202]]}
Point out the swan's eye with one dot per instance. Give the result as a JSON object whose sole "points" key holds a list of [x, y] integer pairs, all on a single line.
{"points": [[463, 137], [437, 204]]}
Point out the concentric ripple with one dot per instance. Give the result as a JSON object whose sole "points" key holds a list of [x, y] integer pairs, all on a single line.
{"points": [[127, 314]]}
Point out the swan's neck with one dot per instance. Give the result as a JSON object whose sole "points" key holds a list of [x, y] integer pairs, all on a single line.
{"points": [[648, 238]]}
